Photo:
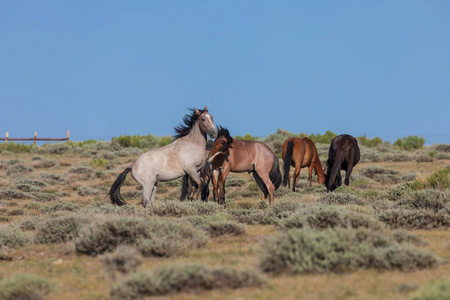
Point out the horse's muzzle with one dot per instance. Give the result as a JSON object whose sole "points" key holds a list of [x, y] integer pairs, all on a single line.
{"points": [[213, 132]]}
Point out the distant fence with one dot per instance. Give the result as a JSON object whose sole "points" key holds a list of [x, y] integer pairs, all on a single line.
{"points": [[35, 138]]}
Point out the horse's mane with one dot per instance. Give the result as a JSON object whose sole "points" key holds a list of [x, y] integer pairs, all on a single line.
{"points": [[224, 132], [189, 121]]}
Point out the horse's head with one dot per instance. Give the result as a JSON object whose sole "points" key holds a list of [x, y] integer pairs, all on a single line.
{"points": [[221, 145], [206, 122]]}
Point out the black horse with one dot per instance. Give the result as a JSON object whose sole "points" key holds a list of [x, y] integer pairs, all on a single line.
{"points": [[343, 155]]}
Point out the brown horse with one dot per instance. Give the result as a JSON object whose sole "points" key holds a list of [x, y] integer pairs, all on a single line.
{"points": [[256, 158], [343, 155], [301, 153]]}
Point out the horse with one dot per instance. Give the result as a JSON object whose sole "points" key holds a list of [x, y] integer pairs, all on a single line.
{"points": [[189, 186], [344, 154], [232, 155], [185, 155], [301, 153]]}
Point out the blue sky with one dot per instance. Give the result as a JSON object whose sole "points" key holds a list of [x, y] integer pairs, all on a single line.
{"points": [[107, 68]]}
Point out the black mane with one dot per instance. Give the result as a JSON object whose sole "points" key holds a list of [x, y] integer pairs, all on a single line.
{"points": [[224, 132], [189, 121]]}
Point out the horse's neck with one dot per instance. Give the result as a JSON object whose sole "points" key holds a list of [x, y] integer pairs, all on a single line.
{"points": [[195, 137]]}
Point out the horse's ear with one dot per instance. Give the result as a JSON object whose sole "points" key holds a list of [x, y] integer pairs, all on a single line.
{"points": [[206, 108], [196, 111]]}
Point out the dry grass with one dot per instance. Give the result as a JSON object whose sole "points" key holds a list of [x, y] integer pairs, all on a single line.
{"points": [[83, 277]]}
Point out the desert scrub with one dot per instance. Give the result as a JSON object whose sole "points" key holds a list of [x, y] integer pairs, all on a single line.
{"points": [[329, 217], [52, 178], [341, 198], [439, 179], [8, 193], [81, 171], [60, 229], [124, 260], [57, 148], [44, 164], [99, 162], [59, 206], [234, 181], [33, 182], [414, 218], [339, 250], [88, 191], [152, 236], [410, 142], [182, 278], [12, 237], [26, 286], [174, 208], [371, 171], [24, 187], [17, 169], [29, 223], [436, 291], [434, 200]]}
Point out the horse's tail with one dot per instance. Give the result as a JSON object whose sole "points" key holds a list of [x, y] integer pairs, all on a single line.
{"points": [[114, 192], [184, 187], [275, 174], [260, 183], [287, 161], [332, 171]]}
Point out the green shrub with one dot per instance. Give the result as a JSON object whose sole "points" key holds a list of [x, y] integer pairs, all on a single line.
{"points": [[369, 142], [29, 223], [436, 291], [152, 236], [387, 179], [442, 148], [12, 238], [99, 162], [27, 187], [26, 286], [45, 164], [85, 171], [439, 179], [60, 229], [181, 278], [338, 250], [217, 228], [234, 181], [15, 147], [410, 142]]}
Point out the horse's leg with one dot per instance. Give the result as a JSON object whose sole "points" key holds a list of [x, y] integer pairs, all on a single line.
{"points": [[270, 187], [310, 169], [149, 192], [348, 173], [289, 181], [215, 180], [195, 176], [221, 185]]}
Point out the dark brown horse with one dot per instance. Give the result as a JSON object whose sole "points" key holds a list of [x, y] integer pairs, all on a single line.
{"points": [[301, 153], [256, 158], [189, 186], [343, 155]]}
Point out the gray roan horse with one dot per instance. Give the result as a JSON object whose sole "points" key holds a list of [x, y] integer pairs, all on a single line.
{"points": [[186, 155]]}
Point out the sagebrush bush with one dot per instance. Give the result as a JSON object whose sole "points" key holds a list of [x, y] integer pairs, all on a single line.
{"points": [[341, 198], [414, 218], [234, 181], [17, 169], [403, 236], [217, 228], [29, 223], [152, 236], [181, 278], [30, 181], [8, 193], [124, 260], [60, 206], [329, 217], [442, 148], [52, 178], [439, 179], [24, 187], [424, 158], [425, 199], [410, 142], [436, 291], [26, 286], [387, 178], [82, 171], [174, 208], [60, 229], [12, 237], [87, 191], [371, 171], [41, 164], [338, 250]]}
